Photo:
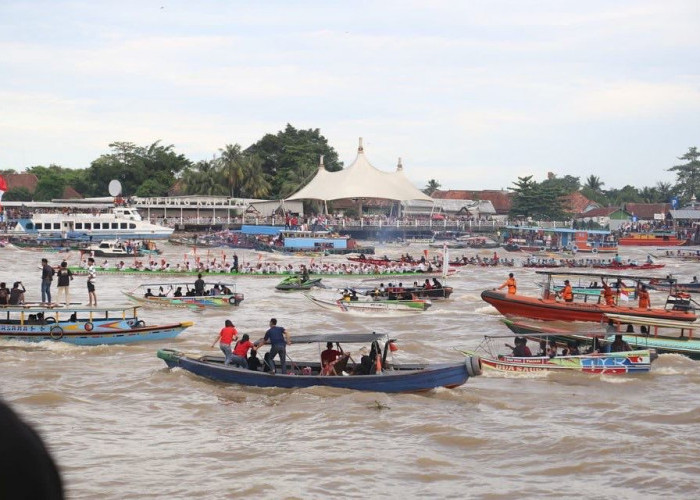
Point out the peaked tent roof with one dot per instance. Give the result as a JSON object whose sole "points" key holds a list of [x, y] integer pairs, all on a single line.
{"points": [[359, 180]]}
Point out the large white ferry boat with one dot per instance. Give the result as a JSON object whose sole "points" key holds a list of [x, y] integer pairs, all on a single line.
{"points": [[120, 222]]}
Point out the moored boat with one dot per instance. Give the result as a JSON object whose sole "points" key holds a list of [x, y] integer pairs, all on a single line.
{"points": [[81, 325], [373, 372], [656, 238]]}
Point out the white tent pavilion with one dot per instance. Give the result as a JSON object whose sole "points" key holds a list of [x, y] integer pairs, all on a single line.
{"points": [[359, 180]]}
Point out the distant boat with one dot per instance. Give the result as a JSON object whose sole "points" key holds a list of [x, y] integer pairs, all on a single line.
{"points": [[656, 239], [120, 222], [372, 372], [297, 282]]}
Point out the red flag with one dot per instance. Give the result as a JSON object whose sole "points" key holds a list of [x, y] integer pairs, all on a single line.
{"points": [[3, 188]]}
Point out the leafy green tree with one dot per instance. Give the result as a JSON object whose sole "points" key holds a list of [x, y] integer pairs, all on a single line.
{"points": [[17, 194], [431, 187], [232, 168], [289, 151], [665, 192], [52, 182], [625, 195], [132, 165], [255, 181], [597, 196], [688, 174]]}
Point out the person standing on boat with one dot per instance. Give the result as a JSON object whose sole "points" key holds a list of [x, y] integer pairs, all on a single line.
{"points": [[199, 286], [92, 298], [608, 294], [567, 293], [65, 276], [510, 283], [643, 296], [227, 335], [278, 338], [47, 273], [4, 294]]}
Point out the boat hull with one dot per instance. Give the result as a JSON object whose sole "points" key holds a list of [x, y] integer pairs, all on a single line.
{"points": [[607, 364], [76, 334], [372, 307], [551, 310], [415, 378], [649, 240], [231, 300]]}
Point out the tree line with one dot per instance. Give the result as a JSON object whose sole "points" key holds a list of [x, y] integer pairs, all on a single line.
{"points": [[274, 167], [280, 164]]}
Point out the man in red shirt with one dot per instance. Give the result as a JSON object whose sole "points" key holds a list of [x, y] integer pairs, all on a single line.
{"points": [[329, 358]]}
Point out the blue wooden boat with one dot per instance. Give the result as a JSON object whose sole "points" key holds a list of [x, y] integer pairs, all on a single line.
{"points": [[381, 376], [81, 325]]}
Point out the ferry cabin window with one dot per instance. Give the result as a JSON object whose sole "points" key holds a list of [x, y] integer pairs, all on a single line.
{"points": [[105, 225], [38, 226], [57, 225], [132, 225], [30, 226], [122, 225], [78, 225], [88, 225], [115, 225]]}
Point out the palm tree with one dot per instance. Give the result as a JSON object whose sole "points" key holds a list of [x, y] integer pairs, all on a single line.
{"points": [[593, 182], [431, 187], [232, 168], [255, 180], [205, 179]]}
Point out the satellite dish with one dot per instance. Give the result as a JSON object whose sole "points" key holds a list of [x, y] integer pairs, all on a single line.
{"points": [[115, 187]]}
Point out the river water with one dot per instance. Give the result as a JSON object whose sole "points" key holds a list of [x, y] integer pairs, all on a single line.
{"points": [[122, 426]]}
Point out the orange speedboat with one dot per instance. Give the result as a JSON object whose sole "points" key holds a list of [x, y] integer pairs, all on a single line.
{"points": [[656, 239], [551, 309]]}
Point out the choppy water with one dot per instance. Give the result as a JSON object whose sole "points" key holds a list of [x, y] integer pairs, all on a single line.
{"points": [[122, 426]]}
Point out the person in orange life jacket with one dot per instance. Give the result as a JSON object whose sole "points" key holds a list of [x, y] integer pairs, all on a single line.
{"points": [[510, 283], [608, 294], [227, 335], [566, 293], [643, 296]]}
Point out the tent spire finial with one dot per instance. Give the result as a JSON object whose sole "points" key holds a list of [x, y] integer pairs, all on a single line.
{"points": [[399, 165], [360, 149]]}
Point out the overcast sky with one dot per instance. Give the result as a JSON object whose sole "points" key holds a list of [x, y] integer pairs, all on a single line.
{"points": [[470, 93]]}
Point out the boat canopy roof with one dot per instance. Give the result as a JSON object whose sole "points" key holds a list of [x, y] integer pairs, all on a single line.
{"points": [[345, 338], [661, 323], [558, 230], [185, 283], [603, 274]]}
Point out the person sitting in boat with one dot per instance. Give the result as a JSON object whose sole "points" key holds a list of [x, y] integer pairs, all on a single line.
{"points": [[552, 350], [427, 285], [328, 359], [163, 293], [17, 293], [521, 350], [510, 283], [148, 293], [436, 283], [178, 292], [216, 290], [253, 361], [573, 349], [619, 345], [543, 348], [225, 290], [643, 296], [695, 279], [649, 261], [566, 293]]}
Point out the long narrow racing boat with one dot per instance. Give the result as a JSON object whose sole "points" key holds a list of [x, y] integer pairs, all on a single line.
{"points": [[172, 295], [81, 325], [373, 371], [371, 306]]}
